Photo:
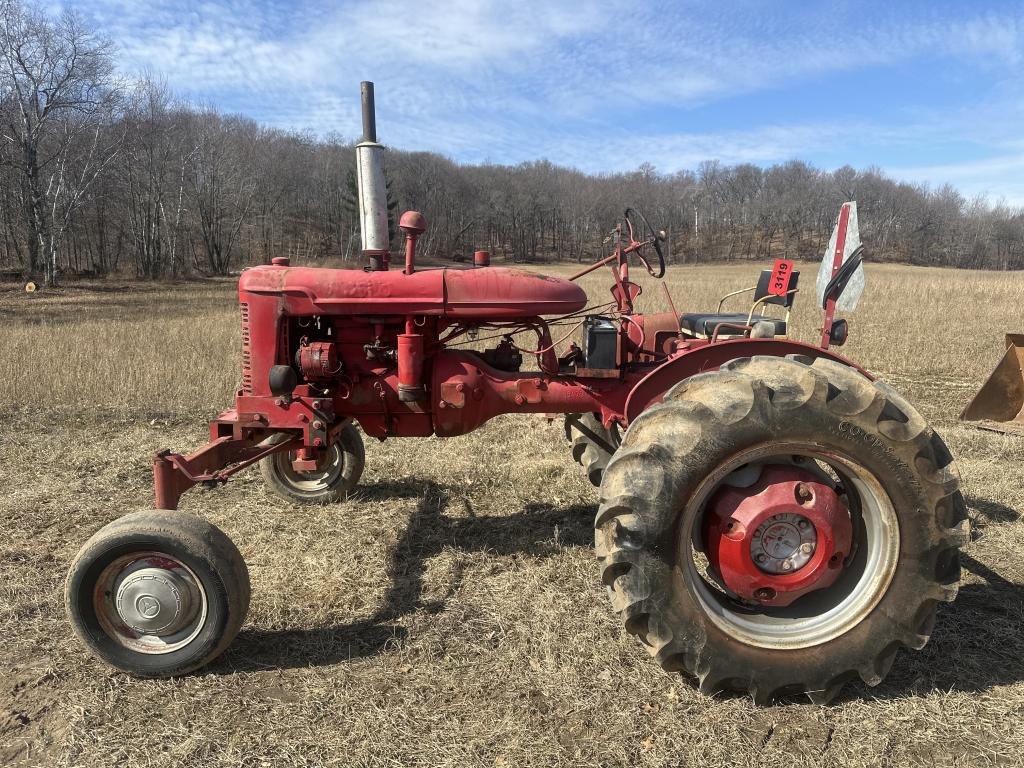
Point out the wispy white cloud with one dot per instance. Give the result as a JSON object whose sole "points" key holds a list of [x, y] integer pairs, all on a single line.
{"points": [[599, 84], [999, 179], [677, 151], [562, 56], [997, 36]]}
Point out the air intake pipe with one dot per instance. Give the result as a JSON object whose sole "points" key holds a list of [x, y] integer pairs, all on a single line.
{"points": [[373, 194]]}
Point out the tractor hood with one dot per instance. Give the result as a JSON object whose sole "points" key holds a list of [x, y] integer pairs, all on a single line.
{"points": [[495, 293]]}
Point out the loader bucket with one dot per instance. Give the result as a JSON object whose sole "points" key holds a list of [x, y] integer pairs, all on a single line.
{"points": [[999, 404]]}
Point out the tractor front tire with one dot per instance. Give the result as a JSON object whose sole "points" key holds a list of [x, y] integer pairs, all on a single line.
{"points": [[592, 444], [900, 486], [157, 593], [339, 472]]}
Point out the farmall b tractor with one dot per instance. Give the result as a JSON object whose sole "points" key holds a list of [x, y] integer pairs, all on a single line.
{"points": [[772, 519]]}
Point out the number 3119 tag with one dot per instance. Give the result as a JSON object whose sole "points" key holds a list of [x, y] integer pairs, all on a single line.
{"points": [[778, 285]]}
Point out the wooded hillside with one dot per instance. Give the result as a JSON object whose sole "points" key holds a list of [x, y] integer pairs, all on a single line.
{"points": [[98, 174]]}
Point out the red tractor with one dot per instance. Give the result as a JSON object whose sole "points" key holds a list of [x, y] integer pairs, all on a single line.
{"points": [[772, 518]]}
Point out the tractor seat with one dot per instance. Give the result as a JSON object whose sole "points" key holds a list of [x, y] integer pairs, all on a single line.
{"points": [[702, 324]]}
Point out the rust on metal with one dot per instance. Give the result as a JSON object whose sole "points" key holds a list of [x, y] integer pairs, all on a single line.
{"points": [[999, 404], [837, 262]]}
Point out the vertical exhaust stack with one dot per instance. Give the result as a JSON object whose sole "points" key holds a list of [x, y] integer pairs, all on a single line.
{"points": [[373, 195]]}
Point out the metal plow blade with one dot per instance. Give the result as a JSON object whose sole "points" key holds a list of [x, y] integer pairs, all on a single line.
{"points": [[999, 404]]}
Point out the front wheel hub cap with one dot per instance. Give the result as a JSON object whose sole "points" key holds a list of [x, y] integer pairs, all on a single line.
{"points": [[154, 601], [782, 536]]}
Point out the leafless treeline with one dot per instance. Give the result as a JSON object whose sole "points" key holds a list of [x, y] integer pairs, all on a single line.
{"points": [[99, 175]]}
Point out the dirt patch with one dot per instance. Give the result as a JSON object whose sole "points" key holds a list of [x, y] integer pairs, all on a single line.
{"points": [[32, 727]]}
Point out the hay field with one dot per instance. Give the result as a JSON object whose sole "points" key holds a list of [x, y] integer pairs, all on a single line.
{"points": [[451, 613]]}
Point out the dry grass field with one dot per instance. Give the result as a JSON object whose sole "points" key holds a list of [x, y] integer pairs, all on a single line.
{"points": [[450, 613]]}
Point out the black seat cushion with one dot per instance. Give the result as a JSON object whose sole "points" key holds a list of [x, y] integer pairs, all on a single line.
{"points": [[704, 323]]}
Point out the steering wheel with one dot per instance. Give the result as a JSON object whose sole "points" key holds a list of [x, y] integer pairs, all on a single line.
{"points": [[655, 238]]}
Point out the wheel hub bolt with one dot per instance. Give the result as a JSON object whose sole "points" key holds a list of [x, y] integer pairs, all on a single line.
{"points": [[787, 565], [762, 558], [807, 548]]}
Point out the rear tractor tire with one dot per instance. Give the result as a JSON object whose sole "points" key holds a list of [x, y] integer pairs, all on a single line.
{"points": [[823, 587], [339, 470], [592, 444], [157, 593]]}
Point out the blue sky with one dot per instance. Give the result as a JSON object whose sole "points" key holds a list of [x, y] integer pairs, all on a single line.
{"points": [[927, 91]]}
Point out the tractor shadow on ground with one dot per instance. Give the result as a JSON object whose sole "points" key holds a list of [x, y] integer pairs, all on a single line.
{"points": [[989, 511], [539, 530], [977, 643]]}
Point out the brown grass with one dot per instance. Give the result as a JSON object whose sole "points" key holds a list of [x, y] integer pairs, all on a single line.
{"points": [[451, 614]]}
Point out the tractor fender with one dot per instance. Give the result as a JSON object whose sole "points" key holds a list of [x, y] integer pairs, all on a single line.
{"points": [[708, 357]]}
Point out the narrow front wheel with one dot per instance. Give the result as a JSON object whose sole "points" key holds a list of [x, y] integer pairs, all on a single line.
{"points": [[337, 471], [157, 594]]}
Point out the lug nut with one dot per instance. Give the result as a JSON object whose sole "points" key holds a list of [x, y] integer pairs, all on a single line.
{"points": [[803, 493], [318, 424], [762, 558], [807, 548], [787, 565]]}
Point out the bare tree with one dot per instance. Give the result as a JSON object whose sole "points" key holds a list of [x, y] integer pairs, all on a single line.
{"points": [[150, 177], [222, 184], [86, 176], [58, 73]]}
